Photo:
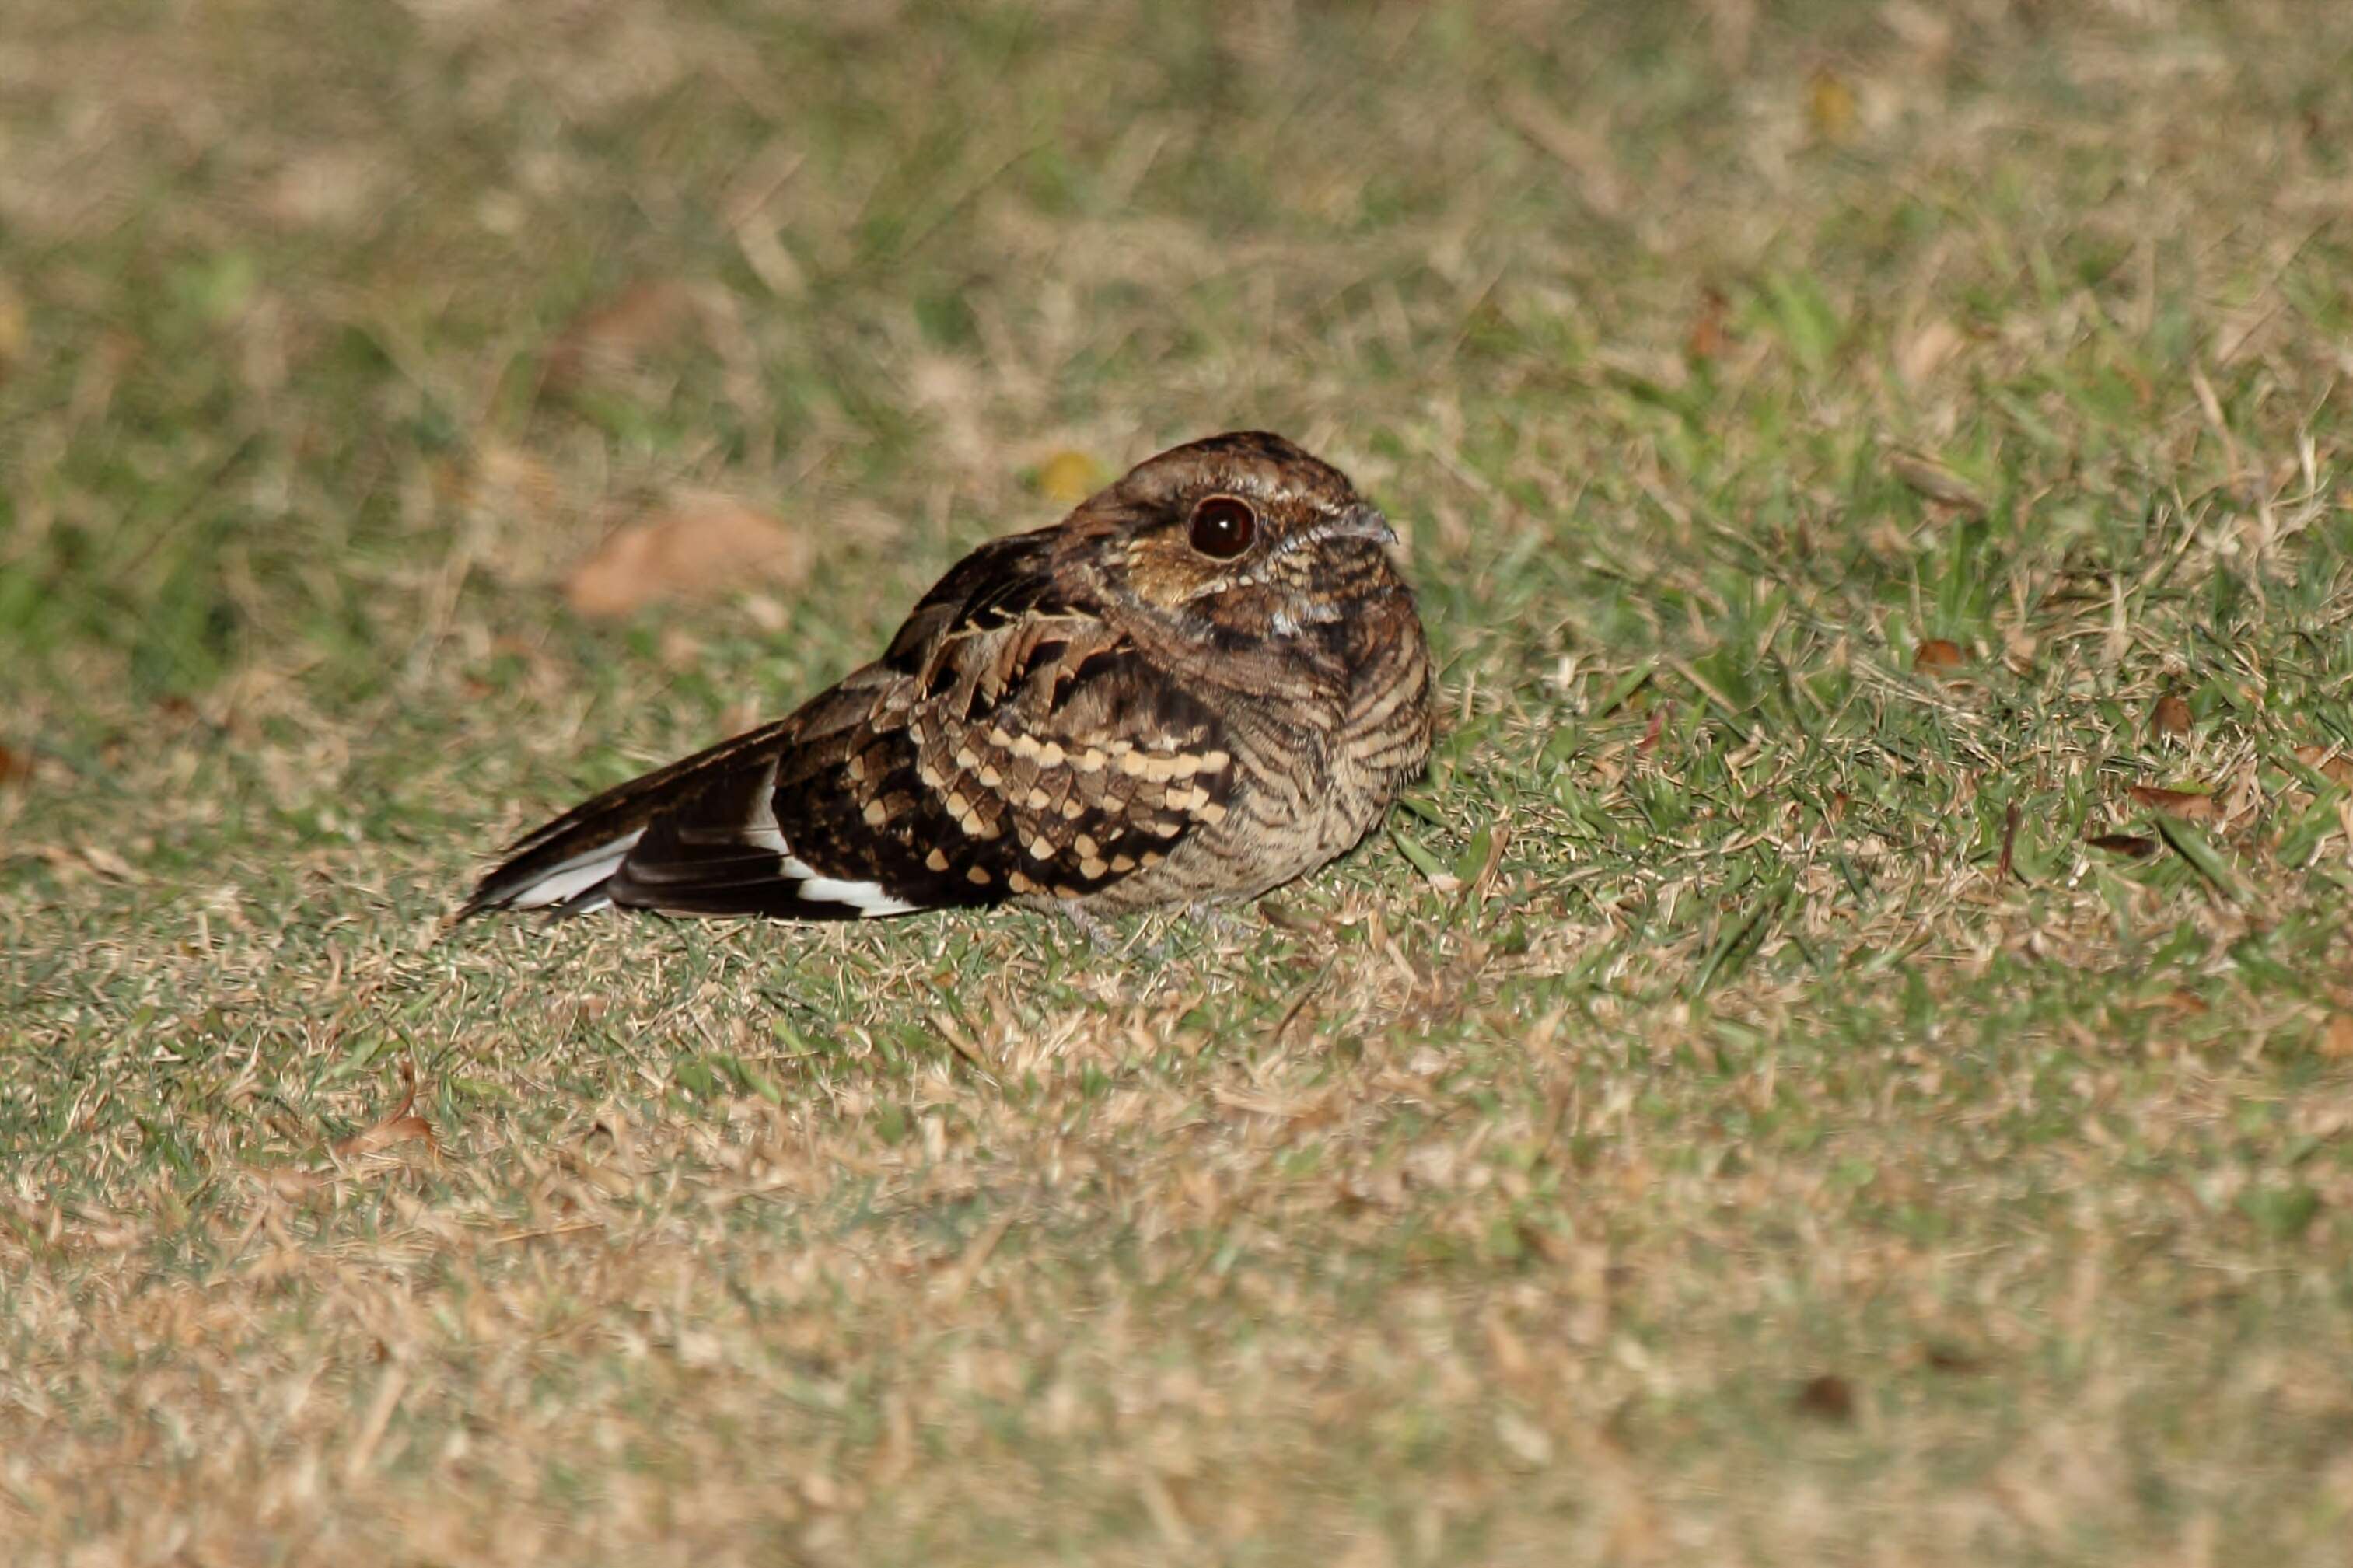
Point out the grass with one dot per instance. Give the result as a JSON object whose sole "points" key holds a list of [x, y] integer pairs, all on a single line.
{"points": [[1736, 1113]]}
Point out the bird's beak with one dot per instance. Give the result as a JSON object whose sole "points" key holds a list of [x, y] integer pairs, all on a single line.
{"points": [[1366, 522]]}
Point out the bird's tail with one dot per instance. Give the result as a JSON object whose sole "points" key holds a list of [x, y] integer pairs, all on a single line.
{"points": [[565, 866]]}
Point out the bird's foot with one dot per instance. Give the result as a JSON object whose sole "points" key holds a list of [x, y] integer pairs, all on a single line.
{"points": [[1094, 928]]}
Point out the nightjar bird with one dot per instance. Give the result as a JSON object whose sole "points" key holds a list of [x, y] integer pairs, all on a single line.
{"points": [[1207, 680]]}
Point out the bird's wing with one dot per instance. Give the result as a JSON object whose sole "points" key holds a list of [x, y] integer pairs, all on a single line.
{"points": [[1011, 743]]}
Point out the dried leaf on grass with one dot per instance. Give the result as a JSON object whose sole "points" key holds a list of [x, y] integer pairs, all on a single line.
{"points": [[2188, 804], [398, 1125], [2336, 1037], [2170, 716], [1927, 478], [13, 325], [1927, 350], [1936, 657], [2129, 844], [503, 479], [1829, 1397], [1709, 337], [2327, 761], [699, 547], [611, 337], [16, 767]]}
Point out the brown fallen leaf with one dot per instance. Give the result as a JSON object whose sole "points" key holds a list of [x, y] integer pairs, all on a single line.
{"points": [[1926, 349], [1925, 477], [107, 863], [2336, 1037], [1936, 655], [503, 480], [14, 326], [2328, 762], [1649, 740], [1829, 1397], [611, 337], [398, 1125], [16, 767], [2186, 805], [2170, 716], [1941, 1356], [2130, 843], [1708, 338], [700, 547]]}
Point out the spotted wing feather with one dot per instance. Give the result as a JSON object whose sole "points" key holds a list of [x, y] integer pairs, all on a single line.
{"points": [[1009, 744]]}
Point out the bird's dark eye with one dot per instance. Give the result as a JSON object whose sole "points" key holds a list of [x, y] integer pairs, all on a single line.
{"points": [[1223, 527]]}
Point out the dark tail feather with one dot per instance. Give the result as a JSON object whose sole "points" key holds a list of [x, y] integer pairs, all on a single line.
{"points": [[563, 867]]}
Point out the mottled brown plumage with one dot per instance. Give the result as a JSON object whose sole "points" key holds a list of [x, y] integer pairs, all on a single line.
{"points": [[1206, 681]]}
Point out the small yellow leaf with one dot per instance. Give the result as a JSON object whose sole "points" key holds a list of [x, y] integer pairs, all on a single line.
{"points": [[1830, 106], [1068, 476]]}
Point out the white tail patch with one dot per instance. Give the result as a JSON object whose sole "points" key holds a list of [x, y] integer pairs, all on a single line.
{"points": [[867, 897], [560, 884]]}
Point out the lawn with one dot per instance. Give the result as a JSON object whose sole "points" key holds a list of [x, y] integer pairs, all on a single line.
{"points": [[1848, 1057]]}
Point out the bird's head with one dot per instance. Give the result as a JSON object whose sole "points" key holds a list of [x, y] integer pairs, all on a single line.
{"points": [[1241, 536]]}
